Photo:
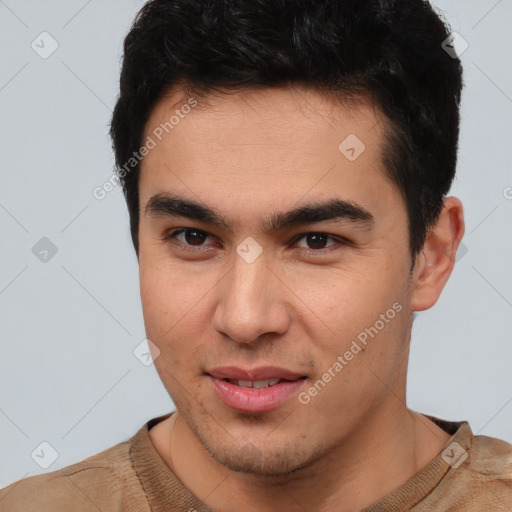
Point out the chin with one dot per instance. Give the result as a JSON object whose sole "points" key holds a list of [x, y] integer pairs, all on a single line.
{"points": [[253, 448], [261, 459]]}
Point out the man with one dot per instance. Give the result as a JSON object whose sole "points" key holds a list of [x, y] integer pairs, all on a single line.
{"points": [[286, 166]]}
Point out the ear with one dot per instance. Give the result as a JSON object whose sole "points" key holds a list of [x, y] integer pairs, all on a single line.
{"points": [[436, 260]]}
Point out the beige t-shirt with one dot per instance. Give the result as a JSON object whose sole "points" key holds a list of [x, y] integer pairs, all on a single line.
{"points": [[473, 473]]}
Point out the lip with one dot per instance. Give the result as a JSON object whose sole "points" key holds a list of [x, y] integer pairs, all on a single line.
{"points": [[254, 400], [259, 373]]}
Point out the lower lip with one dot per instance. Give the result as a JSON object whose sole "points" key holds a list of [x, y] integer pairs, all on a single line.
{"points": [[253, 399]]}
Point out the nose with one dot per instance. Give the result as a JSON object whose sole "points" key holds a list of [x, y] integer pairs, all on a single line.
{"points": [[251, 302]]}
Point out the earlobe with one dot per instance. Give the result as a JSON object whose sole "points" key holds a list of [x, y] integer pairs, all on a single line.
{"points": [[437, 258]]}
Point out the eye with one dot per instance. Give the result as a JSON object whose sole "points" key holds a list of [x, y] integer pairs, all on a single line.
{"points": [[318, 241], [191, 237]]}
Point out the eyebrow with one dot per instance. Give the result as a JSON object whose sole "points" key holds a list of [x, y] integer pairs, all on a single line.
{"points": [[163, 204]]}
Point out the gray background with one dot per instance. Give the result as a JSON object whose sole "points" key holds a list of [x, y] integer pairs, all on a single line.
{"points": [[69, 326]]}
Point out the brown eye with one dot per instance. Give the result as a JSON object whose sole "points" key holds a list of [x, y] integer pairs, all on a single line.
{"points": [[318, 241], [194, 237], [189, 237]]}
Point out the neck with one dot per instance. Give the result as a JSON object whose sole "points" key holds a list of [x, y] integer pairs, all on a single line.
{"points": [[378, 457]]}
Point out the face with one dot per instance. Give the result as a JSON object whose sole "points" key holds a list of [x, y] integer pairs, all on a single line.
{"points": [[230, 278]]}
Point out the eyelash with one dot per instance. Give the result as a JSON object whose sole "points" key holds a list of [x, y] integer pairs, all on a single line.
{"points": [[340, 241]]}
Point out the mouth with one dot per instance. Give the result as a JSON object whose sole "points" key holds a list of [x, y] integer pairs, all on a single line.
{"points": [[255, 391], [258, 384]]}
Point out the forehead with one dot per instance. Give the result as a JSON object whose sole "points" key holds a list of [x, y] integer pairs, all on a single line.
{"points": [[265, 106], [265, 149]]}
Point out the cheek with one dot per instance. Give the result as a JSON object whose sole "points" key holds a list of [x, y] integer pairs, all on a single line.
{"points": [[368, 343], [174, 313], [348, 302], [164, 295]]}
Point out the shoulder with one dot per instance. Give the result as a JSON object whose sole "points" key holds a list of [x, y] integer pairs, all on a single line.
{"points": [[491, 459], [483, 481], [104, 481]]}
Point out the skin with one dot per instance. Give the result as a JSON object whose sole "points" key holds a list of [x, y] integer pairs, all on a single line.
{"points": [[249, 155]]}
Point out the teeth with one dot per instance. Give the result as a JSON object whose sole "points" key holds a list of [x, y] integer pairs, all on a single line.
{"points": [[258, 384], [264, 383]]}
